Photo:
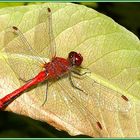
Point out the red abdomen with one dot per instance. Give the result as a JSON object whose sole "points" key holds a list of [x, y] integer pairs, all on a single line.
{"points": [[57, 67]]}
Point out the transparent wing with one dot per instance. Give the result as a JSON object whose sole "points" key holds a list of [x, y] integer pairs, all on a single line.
{"points": [[20, 55], [93, 121], [84, 109], [69, 108], [102, 96], [44, 37], [38, 94], [27, 52], [110, 99]]}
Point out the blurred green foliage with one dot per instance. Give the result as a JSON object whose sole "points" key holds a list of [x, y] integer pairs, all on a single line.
{"points": [[9, 4], [12, 125]]}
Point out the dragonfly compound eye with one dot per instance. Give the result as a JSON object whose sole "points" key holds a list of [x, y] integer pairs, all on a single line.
{"points": [[75, 58]]}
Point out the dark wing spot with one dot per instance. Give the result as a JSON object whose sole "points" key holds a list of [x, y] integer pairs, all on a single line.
{"points": [[15, 28], [49, 10], [124, 97], [99, 125]]}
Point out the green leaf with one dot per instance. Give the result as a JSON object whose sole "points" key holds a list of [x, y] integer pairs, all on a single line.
{"points": [[110, 52], [9, 4]]}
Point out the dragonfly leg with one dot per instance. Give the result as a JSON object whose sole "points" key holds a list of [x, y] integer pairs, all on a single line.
{"points": [[71, 82], [76, 71], [46, 94], [25, 81], [84, 68]]}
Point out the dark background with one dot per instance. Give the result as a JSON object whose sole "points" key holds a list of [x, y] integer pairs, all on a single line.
{"points": [[12, 125]]}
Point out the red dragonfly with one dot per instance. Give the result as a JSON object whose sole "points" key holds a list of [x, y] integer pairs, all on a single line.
{"points": [[59, 67]]}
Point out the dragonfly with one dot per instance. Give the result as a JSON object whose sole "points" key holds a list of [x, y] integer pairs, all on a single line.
{"points": [[60, 67]]}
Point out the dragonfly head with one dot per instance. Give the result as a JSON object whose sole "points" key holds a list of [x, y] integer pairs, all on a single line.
{"points": [[75, 58]]}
